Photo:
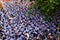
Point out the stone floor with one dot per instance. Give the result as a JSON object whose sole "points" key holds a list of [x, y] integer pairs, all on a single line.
{"points": [[17, 25]]}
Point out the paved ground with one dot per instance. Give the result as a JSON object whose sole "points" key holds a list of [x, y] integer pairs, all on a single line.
{"points": [[18, 26]]}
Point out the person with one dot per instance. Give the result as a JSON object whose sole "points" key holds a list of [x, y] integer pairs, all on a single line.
{"points": [[6, 0], [58, 38], [1, 6]]}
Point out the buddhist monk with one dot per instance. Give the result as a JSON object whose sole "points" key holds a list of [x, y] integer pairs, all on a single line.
{"points": [[1, 6]]}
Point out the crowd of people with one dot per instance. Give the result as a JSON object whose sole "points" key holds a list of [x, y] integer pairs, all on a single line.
{"points": [[15, 24]]}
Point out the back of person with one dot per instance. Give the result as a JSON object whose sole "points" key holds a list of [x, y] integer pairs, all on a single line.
{"points": [[1, 6]]}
